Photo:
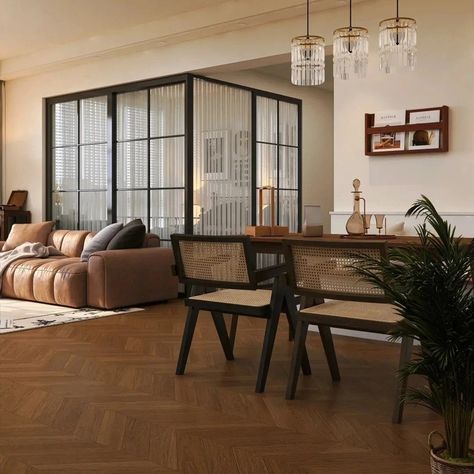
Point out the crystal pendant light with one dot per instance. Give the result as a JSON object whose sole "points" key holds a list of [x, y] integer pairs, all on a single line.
{"points": [[351, 51], [307, 58], [397, 43]]}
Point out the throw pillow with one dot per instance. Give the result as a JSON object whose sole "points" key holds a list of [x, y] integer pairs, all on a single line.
{"points": [[21, 233], [100, 240], [131, 236]]}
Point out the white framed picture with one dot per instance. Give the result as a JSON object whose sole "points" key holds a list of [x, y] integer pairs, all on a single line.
{"points": [[216, 155], [386, 142], [424, 116], [423, 139], [241, 159], [389, 117]]}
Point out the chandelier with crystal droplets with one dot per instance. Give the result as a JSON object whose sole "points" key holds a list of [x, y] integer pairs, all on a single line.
{"points": [[350, 51], [397, 43], [307, 58]]}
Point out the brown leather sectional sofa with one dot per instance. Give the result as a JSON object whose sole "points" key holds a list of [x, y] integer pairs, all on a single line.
{"points": [[110, 279]]}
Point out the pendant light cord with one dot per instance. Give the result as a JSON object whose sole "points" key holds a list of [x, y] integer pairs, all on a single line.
{"points": [[307, 18], [350, 15], [397, 20], [349, 46]]}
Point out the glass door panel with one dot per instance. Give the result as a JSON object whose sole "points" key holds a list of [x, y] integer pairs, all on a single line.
{"points": [[221, 160], [277, 160], [151, 157], [79, 164]]}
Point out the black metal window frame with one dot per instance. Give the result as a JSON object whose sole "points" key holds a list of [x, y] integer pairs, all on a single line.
{"points": [[279, 145], [111, 93]]}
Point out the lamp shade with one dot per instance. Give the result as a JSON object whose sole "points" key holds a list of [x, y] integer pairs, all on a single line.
{"points": [[307, 60], [397, 44], [351, 52]]}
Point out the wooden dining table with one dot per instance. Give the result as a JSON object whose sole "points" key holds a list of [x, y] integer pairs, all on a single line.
{"points": [[273, 245]]}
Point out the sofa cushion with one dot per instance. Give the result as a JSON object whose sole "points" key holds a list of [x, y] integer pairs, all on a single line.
{"points": [[100, 240], [69, 242], [21, 233], [131, 236], [55, 280]]}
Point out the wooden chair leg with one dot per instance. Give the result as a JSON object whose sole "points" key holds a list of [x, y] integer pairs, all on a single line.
{"points": [[270, 333], [187, 339], [291, 332], [219, 323], [233, 329], [296, 359], [405, 356], [328, 345], [291, 314]]}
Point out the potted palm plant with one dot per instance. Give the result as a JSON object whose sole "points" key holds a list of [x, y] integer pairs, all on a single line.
{"points": [[431, 285]]}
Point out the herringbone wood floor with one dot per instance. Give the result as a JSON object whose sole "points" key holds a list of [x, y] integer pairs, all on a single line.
{"points": [[101, 397]]}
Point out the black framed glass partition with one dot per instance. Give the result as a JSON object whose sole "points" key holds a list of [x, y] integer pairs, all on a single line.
{"points": [[150, 158], [183, 153], [278, 157], [79, 163]]}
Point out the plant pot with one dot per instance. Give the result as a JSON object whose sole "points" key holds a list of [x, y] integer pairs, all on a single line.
{"points": [[443, 466]]}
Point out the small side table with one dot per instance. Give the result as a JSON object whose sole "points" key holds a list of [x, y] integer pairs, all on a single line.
{"points": [[8, 217]]}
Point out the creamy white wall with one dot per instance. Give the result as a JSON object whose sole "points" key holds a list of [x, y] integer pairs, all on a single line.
{"points": [[317, 134], [443, 76]]}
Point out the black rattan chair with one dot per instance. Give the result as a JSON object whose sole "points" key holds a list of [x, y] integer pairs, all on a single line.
{"points": [[322, 271], [221, 272]]}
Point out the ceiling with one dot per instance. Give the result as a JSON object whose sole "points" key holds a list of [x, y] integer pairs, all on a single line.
{"points": [[31, 25], [28, 26]]}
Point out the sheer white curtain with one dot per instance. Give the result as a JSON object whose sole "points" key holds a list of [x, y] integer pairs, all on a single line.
{"points": [[222, 166]]}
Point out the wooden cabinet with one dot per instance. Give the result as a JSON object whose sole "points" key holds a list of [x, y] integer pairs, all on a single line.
{"points": [[8, 217]]}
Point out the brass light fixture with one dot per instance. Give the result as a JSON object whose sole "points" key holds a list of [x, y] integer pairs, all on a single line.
{"points": [[351, 51], [307, 58], [397, 43]]}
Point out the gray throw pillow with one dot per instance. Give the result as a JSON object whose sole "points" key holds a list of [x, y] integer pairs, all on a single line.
{"points": [[100, 240], [131, 236]]}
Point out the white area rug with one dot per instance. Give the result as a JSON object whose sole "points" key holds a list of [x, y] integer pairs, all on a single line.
{"points": [[19, 315]]}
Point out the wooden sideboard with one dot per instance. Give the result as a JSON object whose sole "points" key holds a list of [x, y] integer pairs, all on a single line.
{"points": [[8, 217]]}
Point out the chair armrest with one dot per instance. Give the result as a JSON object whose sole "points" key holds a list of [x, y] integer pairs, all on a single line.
{"points": [[270, 272], [118, 278]]}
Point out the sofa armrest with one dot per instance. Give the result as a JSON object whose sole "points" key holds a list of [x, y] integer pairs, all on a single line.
{"points": [[119, 278]]}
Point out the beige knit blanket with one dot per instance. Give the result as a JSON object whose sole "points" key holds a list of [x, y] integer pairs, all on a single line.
{"points": [[26, 250]]}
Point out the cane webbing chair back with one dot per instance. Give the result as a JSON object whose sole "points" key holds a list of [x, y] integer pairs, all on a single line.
{"points": [[326, 269], [215, 261]]}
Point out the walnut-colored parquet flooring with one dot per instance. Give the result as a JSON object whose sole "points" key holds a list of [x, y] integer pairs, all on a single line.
{"points": [[101, 397]]}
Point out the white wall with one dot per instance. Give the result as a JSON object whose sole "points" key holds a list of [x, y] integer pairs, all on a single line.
{"points": [[443, 76], [317, 134]]}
